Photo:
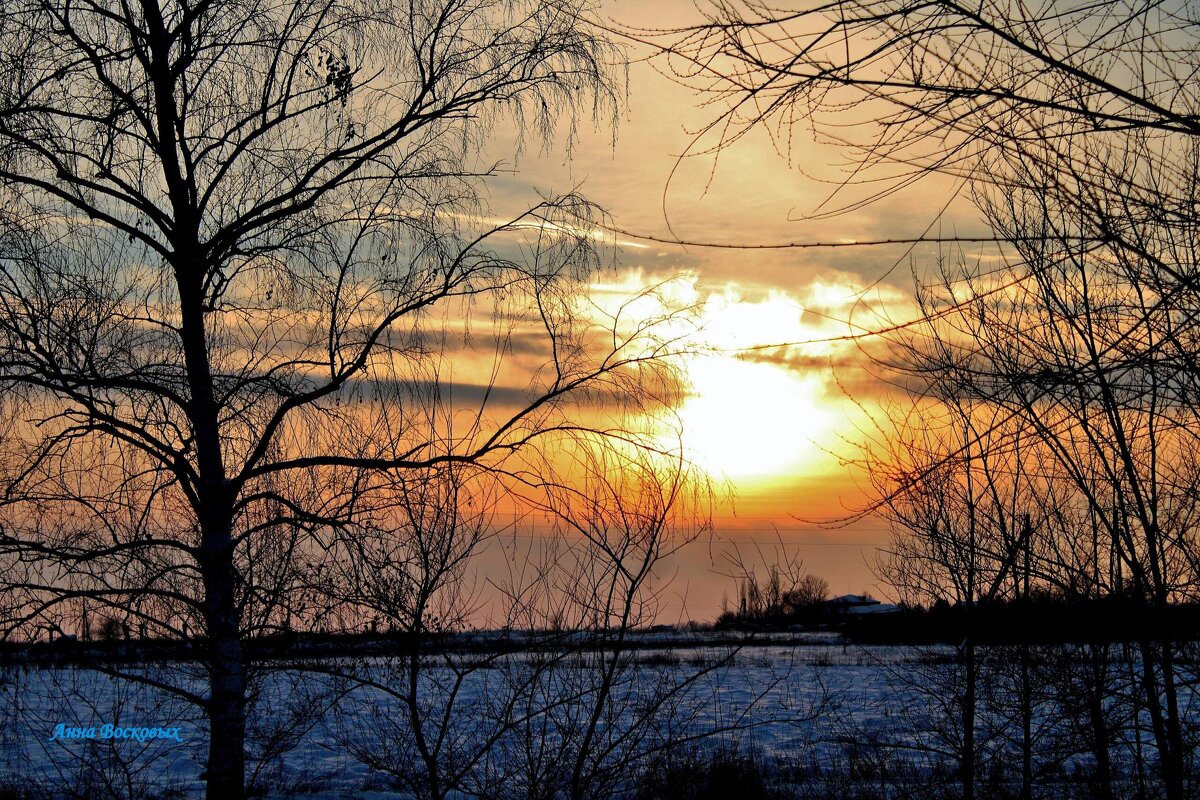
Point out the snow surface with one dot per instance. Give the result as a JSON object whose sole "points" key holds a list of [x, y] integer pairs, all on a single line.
{"points": [[809, 703]]}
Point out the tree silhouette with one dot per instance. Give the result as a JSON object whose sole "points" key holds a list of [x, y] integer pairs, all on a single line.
{"points": [[1073, 126], [234, 238]]}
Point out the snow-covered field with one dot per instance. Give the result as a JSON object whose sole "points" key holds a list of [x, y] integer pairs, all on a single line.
{"points": [[337, 731]]}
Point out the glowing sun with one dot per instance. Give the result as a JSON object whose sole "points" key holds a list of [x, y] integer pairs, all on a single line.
{"points": [[748, 419]]}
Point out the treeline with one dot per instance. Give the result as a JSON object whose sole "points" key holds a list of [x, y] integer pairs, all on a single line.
{"points": [[780, 599], [1043, 618]]}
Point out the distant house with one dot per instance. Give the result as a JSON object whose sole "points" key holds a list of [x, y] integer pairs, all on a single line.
{"points": [[858, 605]]}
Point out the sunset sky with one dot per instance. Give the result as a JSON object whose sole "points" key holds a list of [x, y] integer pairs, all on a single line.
{"points": [[772, 421]]}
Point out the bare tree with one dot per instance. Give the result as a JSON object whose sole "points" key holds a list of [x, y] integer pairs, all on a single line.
{"points": [[1074, 126], [808, 593], [233, 234], [949, 481], [550, 700], [1077, 357], [1086, 361], [912, 87]]}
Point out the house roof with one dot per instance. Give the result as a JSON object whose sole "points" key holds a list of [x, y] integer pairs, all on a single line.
{"points": [[877, 608], [853, 600]]}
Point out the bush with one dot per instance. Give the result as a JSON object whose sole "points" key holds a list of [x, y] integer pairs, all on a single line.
{"points": [[707, 775]]}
